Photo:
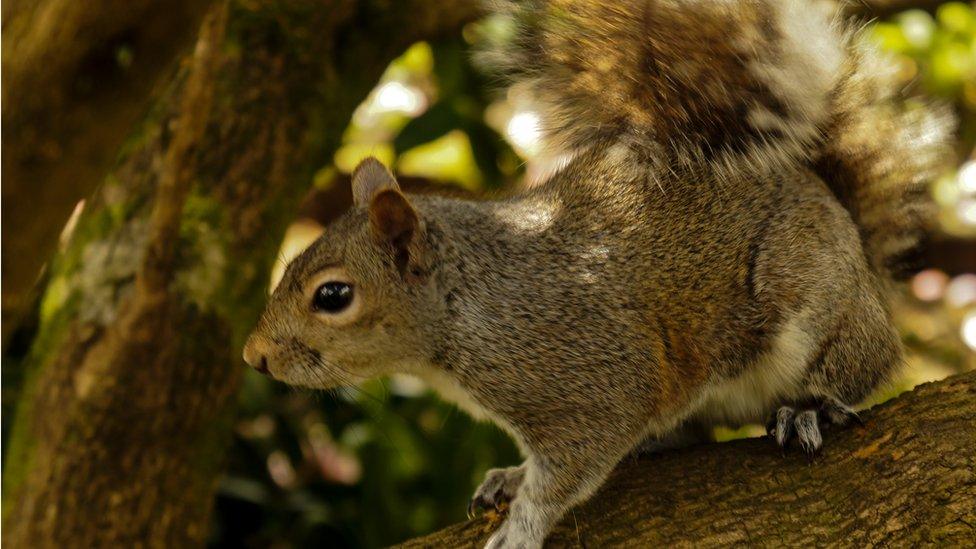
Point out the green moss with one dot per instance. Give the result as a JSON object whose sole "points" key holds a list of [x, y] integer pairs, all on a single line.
{"points": [[99, 221], [22, 441], [58, 314], [243, 297], [282, 26], [202, 264], [54, 297], [198, 208], [20, 448], [148, 129]]}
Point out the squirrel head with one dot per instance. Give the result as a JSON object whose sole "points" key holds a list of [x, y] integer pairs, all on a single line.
{"points": [[352, 305]]}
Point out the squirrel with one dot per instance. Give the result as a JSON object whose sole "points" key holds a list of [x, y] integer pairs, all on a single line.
{"points": [[744, 188]]}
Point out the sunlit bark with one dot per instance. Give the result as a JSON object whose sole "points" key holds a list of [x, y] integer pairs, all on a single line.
{"points": [[906, 478]]}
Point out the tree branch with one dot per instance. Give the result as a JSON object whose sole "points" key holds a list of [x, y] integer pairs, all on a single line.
{"points": [[176, 172], [907, 477]]}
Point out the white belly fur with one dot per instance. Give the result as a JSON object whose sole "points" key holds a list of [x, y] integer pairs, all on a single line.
{"points": [[774, 378], [449, 390]]}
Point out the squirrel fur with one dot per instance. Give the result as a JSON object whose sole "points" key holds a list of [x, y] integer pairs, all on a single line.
{"points": [[744, 185]]}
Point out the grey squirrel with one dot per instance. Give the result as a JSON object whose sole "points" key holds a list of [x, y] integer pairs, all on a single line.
{"points": [[744, 187]]}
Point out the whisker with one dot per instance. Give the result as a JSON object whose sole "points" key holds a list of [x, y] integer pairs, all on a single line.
{"points": [[350, 383]]}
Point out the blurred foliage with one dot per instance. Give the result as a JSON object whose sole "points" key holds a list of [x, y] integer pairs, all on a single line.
{"points": [[427, 119], [375, 465], [938, 54], [357, 467]]}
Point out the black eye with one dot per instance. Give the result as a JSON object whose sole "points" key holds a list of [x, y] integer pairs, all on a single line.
{"points": [[332, 297]]}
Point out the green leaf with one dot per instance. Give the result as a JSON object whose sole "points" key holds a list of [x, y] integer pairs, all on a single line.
{"points": [[434, 123], [451, 68], [486, 145]]}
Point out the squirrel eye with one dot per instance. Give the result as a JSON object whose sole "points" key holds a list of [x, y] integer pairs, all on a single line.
{"points": [[332, 297]]}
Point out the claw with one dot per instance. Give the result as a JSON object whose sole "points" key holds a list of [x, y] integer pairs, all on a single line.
{"points": [[838, 413], [804, 424], [808, 431], [474, 504], [496, 491], [784, 425]]}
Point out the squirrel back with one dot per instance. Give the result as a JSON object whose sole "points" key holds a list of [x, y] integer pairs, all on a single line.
{"points": [[736, 87]]}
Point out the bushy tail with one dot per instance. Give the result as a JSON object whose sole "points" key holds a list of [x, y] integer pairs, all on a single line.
{"points": [[730, 86], [880, 156], [691, 80]]}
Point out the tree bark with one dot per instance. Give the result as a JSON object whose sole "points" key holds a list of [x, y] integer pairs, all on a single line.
{"points": [[77, 76], [128, 398], [907, 477]]}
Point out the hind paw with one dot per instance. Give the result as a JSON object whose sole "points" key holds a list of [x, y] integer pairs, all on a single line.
{"points": [[803, 423]]}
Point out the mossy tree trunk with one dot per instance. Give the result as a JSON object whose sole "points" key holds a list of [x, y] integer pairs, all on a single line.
{"points": [[76, 76], [906, 478], [128, 398]]}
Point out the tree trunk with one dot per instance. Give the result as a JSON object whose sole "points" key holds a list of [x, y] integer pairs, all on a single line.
{"points": [[128, 398], [77, 75], [907, 477]]}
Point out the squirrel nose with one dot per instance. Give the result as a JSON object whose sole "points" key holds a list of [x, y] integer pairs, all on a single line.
{"points": [[256, 353]]}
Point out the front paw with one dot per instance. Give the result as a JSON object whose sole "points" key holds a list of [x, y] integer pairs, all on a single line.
{"points": [[498, 488]]}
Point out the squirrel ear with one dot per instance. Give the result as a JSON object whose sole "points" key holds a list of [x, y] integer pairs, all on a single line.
{"points": [[368, 179], [394, 221]]}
